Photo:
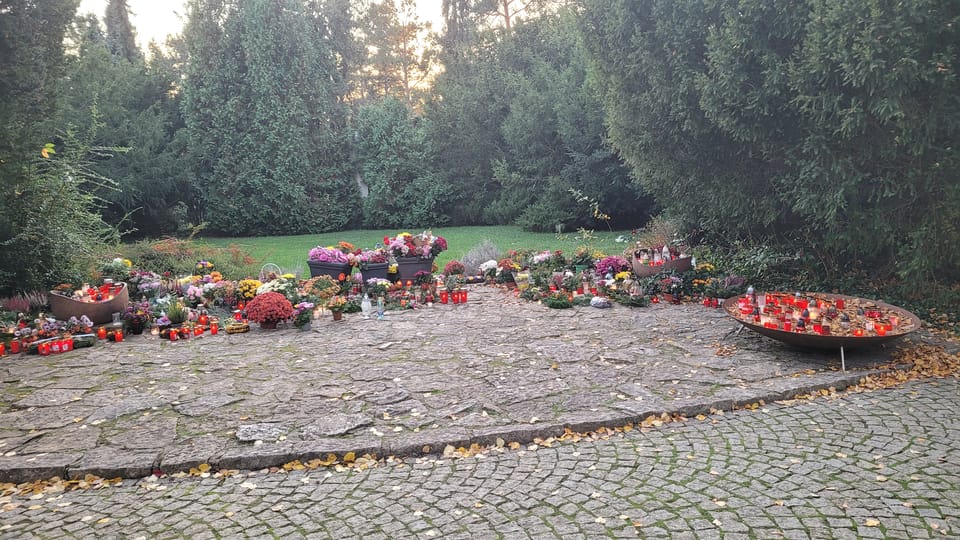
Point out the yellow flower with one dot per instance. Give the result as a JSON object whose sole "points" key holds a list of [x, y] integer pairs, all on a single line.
{"points": [[128, 262], [622, 275], [288, 276], [392, 269]]}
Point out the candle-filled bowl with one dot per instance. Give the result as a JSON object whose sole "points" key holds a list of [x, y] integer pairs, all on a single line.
{"points": [[836, 321]]}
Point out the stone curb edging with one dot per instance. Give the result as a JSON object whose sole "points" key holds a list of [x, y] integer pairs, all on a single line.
{"points": [[109, 463]]}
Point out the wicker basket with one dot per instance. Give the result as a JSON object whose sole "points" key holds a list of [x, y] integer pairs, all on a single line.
{"points": [[64, 307], [238, 328]]}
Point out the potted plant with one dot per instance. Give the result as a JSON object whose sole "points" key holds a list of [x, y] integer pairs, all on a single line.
{"points": [[414, 253], [137, 316], [371, 263], [302, 315], [336, 306], [454, 268], [328, 261], [268, 309]]}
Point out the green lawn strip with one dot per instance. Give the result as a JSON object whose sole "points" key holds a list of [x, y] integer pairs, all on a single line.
{"points": [[290, 252]]}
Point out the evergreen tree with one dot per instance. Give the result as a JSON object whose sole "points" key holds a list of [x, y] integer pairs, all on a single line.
{"points": [[121, 36], [48, 219], [263, 105]]}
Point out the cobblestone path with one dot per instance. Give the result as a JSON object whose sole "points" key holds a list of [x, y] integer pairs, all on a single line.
{"points": [[884, 464], [495, 367]]}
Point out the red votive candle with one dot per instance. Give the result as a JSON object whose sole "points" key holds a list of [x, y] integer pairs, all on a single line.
{"points": [[15, 346], [456, 297], [463, 296], [444, 297], [174, 335], [214, 329], [118, 336], [101, 333]]}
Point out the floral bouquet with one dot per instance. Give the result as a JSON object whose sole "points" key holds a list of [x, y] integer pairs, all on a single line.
{"points": [[362, 258], [454, 267], [378, 287], [137, 314], [323, 287], [424, 245], [422, 277], [286, 287], [194, 295], [144, 284], [247, 288], [327, 255], [337, 304], [269, 306], [612, 265], [302, 312], [203, 267]]}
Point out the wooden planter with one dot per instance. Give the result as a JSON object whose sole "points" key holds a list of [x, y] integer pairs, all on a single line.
{"points": [[64, 307], [408, 266], [375, 270], [333, 270]]}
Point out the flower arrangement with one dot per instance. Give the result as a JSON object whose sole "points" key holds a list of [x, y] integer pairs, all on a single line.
{"points": [[176, 312], [282, 285], [117, 269], [672, 285], [377, 287], [144, 284], [302, 312], [362, 258], [203, 267], [337, 304], [422, 277], [327, 255], [612, 265], [424, 245], [83, 325], [582, 257], [269, 307], [454, 267], [137, 314], [247, 288], [194, 295], [323, 287]]}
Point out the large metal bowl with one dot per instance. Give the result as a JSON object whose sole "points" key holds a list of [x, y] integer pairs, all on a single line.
{"points": [[809, 340]]}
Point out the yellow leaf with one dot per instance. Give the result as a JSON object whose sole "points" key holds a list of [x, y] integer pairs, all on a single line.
{"points": [[203, 467], [330, 460], [514, 445], [103, 520], [349, 457], [701, 417], [872, 522], [500, 442]]}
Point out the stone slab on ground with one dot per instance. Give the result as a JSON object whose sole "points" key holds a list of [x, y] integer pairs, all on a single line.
{"points": [[496, 367]]}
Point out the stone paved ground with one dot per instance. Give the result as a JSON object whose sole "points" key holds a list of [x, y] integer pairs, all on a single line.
{"points": [[876, 465], [496, 367]]}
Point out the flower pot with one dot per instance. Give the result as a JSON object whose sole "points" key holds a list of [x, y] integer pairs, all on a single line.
{"points": [[408, 266], [375, 270], [268, 325], [135, 328], [306, 327], [338, 315], [331, 269]]}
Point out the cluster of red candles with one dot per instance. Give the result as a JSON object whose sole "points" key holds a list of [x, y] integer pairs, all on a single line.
{"points": [[458, 296], [796, 313], [56, 346]]}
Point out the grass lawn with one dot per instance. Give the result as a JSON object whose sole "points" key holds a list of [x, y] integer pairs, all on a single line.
{"points": [[290, 252]]}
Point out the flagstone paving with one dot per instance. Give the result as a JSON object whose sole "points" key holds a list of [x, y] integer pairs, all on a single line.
{"points": [[884, 464], [411, 384]]}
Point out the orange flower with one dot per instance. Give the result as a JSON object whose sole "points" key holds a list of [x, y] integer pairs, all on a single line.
{"points": [[342, 277]]}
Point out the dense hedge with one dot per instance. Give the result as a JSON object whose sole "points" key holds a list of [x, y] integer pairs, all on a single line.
{"points": [[827, 126]]}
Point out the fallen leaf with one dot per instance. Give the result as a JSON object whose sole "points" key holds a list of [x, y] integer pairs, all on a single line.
{"points": [[872, 522]]}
